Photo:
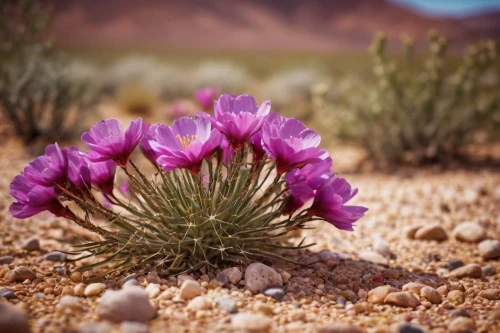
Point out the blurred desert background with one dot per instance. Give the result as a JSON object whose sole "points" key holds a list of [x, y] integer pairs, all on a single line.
{"points": [[406, 97]]}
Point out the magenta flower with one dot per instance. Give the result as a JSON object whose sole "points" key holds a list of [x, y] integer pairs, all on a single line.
{"points": [[108, 141], [178, 110], [102, 175], [329, 204], [302, 183], [49, 169], [238, 118], [33, 199], [227, 151], [185, 144], [78, 170], [291, 144], [206, 97], [146, 149]]}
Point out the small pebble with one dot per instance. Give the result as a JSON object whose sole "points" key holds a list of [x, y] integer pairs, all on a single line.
{"points": [[414, 287], [6, 260], [76, 277], [410, 328], [200, 303], [488, 270], [378, 295], [259, 277], [454, 264], [382, 247], [411, 231], [226, 303], [130, 304], [7, 294], [264, 308], [276, 293], [431, 232], [431, 295], [153, 277], [489, 249], [373, 257], [55, 256], [167, 294], [462, 325], [153, 290], [470, 270], [190, 289], [490, 294], [20, 273], [94, 289], [469, 232], [131, 282], [13, 320], [456, 297], [79, 289], [233, 275], [183, 277], [31, 244], [402, 299]]}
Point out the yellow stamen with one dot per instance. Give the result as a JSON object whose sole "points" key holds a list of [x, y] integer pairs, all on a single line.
{"points": [[185, 140]]}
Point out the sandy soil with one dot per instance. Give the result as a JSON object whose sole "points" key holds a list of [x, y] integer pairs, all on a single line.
{"points": [[331, 287]]}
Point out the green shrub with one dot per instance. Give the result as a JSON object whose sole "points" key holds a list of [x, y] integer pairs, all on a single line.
{"points": [[422, 110], [41, 95]]}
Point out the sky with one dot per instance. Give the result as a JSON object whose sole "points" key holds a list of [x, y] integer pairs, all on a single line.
{"points": [[456, 8]]}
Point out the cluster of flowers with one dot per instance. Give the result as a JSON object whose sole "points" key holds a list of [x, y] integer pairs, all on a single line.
{"points": [[238, 124]]}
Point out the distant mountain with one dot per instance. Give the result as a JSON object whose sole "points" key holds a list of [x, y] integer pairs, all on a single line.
{"points": [[317, 25]]}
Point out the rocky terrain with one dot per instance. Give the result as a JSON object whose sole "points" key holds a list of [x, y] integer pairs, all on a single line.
{"points": [[426, 258]]}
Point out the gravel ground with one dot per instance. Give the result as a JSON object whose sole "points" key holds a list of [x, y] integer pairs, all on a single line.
{"points": [[407, 236]]}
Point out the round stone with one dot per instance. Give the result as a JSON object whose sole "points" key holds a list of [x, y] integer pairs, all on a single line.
{"points": [[469, 232], [190, 289], [431, 295], [454, 264], [20, 273], [382, 247], [226, 303], [461, 325], [490, 294], [373, 257], [31, 244], [13, 320], [431, 232], [251, 322], [402, 299], [378, 295], [276, 293], [200, 303], [259, 277], [470, 270], [94, 289], [130, 304], [153, 290], [233, 275], [456, 297], [489, 249]]}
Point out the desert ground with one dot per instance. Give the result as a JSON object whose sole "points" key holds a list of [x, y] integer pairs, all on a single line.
{"points": [[425, 258]]}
